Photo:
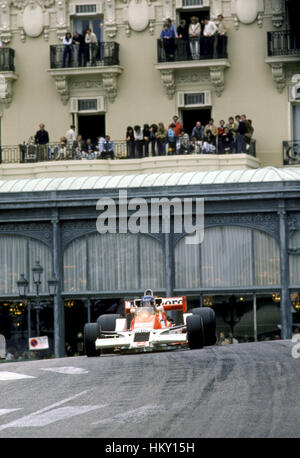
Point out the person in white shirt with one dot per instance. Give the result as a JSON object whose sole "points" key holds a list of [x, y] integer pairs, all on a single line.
{"points": [[194, 37], [138, 135], [71, 137], [92, 46], [67, 42], [222, 37], [210, 29]]}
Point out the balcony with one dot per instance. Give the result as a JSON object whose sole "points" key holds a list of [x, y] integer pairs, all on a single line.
{"points": [[291, 152], [30, 160], [98, 55], [100, 60], [7, 56], [283, 43], [171, 66], [8, 75], [283, 50]]}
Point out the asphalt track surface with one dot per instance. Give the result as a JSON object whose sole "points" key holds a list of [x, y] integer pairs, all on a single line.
{"points": [[243, 390]]}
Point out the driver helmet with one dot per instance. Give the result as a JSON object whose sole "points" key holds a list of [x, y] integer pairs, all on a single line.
{"points": [[148, 301]]}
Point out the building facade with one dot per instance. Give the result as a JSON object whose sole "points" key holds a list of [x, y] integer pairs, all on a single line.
{"points": [[130, 80], [247, 267]]}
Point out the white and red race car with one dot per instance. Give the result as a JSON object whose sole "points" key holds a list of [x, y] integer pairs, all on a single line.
{"points": [[146, 327]]}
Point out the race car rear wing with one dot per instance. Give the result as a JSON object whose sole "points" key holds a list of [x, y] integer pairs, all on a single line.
{"points": [[169, 303]]}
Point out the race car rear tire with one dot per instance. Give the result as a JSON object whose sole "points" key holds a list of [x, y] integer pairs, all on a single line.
{"points": [[195, 331], [90, 334], [209, 323], [107, 322]]}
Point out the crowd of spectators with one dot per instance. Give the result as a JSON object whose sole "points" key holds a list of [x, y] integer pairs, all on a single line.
{"points": [[197, 40], [233, 137], [84, 47], [70, 146]]}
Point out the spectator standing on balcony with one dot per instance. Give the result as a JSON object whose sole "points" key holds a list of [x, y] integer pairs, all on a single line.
{"points": [[213, 130], [146, 139], [168, 38], [172, 26], [249, 131], [232, 126], [194, 36], [171, 139], [222, 37], [183, 40], [220, 133], [210, 29], [71, 136], [178, 126], [153, 139], [91, 44], [67, 42], [162, 138], [182, 30], [41, 139], [130, 142], [198, 135], [78, 40], [138, 135], [240, 134], [227, 141]]}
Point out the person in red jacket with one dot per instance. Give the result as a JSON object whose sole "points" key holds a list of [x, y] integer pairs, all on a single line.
{"points": [[178, 126]]}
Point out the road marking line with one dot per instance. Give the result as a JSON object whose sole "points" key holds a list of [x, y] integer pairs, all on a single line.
{"points": [[52, 416], [6, 411], [66, 370], [132, 416], [13, 376], [45, 409]]}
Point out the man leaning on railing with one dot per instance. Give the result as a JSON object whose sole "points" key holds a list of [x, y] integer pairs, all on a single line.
{"points": [[92, 46]]}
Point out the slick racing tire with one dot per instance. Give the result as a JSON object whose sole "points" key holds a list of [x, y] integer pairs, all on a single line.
{"points": [[90, 334], [195, 331], [107, 322], [209, 323]]}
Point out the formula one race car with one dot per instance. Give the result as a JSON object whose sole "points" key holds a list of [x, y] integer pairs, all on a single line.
{"points": [[147, 327]]}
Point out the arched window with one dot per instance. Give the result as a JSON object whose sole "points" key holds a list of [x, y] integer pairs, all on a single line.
{"points": [[229, 256], [18, 255], [114, 262]]}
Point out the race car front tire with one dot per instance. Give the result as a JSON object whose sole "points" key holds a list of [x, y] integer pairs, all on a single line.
{"points": [[209, 323], [195, 331], [107, 322], [90, 334]]}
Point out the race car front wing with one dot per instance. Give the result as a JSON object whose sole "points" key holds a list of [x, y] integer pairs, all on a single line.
{"points": [[145, 338]]}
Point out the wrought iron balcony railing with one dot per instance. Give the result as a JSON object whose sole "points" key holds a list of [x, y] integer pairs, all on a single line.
{"points": [[101, 54], [192, 50], [7, 56], [30, 152], [283, 43], [291, 152]]}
